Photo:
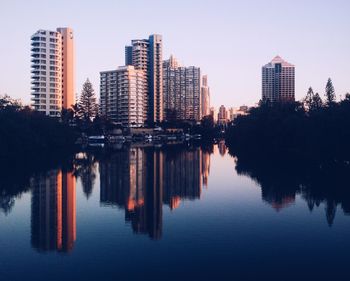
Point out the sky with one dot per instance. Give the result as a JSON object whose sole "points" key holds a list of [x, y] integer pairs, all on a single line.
{"points": [[229, 40]]}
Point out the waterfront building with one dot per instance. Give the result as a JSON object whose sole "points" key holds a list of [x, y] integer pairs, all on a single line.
{"points": [[278, 81], [122, 95], [181, 88], [52, 70], [205, 96], [147, 55]]}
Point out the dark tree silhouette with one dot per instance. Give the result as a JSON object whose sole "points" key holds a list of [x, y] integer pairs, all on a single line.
{"points": [[317, 102], [330, 93], [87, 106], [309, 99]]}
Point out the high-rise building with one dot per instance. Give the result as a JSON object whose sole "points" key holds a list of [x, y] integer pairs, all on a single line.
{"points": [[222, 115], [213, 114], [181, 88], [122, 94], [205, 96], [278, 81], [147, 55], [52, 70]]}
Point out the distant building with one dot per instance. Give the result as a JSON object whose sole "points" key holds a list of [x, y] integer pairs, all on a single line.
{"points": [[234, 112], [213, 113], [278, 81], [122, 94], [181, 88], [205, 96], [147, 55], [222, 115], [52, 70]]}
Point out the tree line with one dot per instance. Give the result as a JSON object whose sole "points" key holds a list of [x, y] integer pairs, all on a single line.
{"points": [[314, 128]]}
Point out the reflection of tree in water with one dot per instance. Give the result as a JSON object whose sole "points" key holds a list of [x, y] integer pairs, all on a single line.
{"points": [[281, 180], [85, 169], [17, 171], [6, 203], [13, 182]]}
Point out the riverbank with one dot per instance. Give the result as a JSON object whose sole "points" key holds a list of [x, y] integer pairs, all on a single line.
{"points": [[290, 131]]}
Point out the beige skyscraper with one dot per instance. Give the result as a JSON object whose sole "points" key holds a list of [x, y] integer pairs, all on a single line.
{"points": [[205, 96], [52, 57]]}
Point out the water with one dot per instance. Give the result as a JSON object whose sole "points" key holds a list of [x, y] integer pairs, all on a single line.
{"points": [[174, 213]]}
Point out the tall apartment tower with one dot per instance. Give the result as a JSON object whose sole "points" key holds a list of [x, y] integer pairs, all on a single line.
{"points": [[278, 81], [52, 70], [181, 88], [205, 96], [122, 93], [147, 55]]}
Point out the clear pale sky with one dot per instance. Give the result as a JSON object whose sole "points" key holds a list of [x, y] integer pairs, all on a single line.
{"points": [[230, 40]]}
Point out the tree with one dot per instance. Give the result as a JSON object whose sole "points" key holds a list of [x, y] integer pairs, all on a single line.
{"points": [[317, 102], [330, 93], [87, 106], [309, 99]]}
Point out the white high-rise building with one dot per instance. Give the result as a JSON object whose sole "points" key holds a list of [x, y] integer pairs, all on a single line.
{"points": [[278, 81], [147, 55], [52, 70], [122, 94]]}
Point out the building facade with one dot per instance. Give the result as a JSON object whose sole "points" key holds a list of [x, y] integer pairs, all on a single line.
{"points": [[52, 70], [147, 55], [181, 88], [278, 81], [122, 93], [222, 115], [205, 97]]}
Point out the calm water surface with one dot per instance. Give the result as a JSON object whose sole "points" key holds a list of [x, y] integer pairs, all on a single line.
{"points": [[170, 213]]}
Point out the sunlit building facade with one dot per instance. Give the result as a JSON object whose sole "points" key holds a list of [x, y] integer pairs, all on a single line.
{"points": [[52, 70], [222, 115], [182, 91], [205, 97], [213, 114], [122, 95], [278, 81], [147, 55]]}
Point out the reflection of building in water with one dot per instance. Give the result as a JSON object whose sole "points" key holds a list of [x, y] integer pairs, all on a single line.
{"points": [[53, 221], [205, 167], [124, 179], [141, 180], [222, 148], [279, 202], [182, 176]]}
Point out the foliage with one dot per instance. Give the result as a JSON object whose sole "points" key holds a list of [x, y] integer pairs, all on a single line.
{"points": [[87, 106], [330, 93], [309, 129], [27, 132]]}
